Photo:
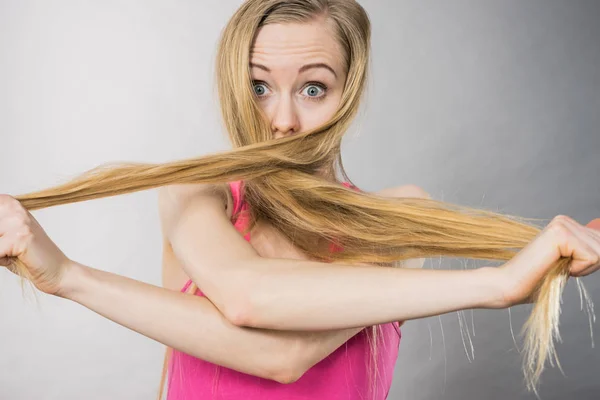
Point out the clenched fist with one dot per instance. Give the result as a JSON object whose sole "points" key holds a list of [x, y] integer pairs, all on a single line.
{"points": [[22, 238]]}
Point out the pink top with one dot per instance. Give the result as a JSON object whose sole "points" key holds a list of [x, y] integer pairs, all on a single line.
{"points": [[344, 374]]}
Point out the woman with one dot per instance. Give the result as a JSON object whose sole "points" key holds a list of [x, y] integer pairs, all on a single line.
{"points": [[298, 70], [277, 303]]}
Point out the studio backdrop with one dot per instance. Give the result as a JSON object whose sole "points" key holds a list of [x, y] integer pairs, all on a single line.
{"points": [[491, 104]]}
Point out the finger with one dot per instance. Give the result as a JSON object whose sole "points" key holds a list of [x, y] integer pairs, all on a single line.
{"points": [[589, 270], [588, 239], [565, 235], [594, 224], [552, 243], [591, 235], [592, 268], [593, 228], [5, 245], [9, 224], [9, 206]]}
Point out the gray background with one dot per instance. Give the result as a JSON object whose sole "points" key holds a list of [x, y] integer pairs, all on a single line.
{"points": [[484, 103]]}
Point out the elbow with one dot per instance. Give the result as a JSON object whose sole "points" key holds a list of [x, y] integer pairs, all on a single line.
{"points": [[287, 376], [246, 305], [284, 375], [240, 309], [245, 313], [292, 365], [237, 315], [237, 299], [283, 360]]}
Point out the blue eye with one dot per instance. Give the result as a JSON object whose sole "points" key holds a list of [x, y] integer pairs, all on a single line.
{"points": [[260, 88], [314, 90]]}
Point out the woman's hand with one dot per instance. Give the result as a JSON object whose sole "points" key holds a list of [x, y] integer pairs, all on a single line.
{"points": [[23, 238], [562, 237]]}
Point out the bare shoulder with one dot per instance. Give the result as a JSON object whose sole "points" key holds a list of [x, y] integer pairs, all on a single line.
{"points": [[172, 199], [403, 191], [172, 202], [180, 194]]}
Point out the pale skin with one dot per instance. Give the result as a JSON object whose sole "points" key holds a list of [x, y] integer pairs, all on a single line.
{"points": [[257, 317]]}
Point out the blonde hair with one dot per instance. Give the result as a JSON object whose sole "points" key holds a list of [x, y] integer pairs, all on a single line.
{"points": [[282, 188]]}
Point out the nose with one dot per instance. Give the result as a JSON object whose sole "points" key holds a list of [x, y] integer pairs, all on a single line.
{"points": [[285, 120]]}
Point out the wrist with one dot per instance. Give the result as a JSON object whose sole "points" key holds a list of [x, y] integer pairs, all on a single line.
{"points": [[494, 281], [72, 279]]}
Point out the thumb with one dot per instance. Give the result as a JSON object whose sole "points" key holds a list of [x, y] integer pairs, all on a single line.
{"points": [[594, 224]]}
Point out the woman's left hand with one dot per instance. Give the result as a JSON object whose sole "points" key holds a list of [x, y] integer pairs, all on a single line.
{"points": [[21, 236]]}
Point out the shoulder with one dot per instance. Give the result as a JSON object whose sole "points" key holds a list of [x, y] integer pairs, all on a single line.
{"points": [[173, 199], [181, 195], [410, 190]]}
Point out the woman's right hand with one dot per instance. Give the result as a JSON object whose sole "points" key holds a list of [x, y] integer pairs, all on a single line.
{"points": [[562, 237]]}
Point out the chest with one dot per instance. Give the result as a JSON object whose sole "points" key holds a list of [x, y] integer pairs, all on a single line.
{"points": [[264, 238], [270, 243]]}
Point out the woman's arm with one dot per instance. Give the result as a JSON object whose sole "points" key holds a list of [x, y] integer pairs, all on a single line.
{"points": [[283, 356], [289, 354], [192, 324], [288, 294]]}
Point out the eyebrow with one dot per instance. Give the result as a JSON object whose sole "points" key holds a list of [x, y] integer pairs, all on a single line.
{"points": [[302, 69]]}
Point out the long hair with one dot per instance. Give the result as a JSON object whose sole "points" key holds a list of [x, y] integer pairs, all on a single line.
{"points": [[283, 189]]}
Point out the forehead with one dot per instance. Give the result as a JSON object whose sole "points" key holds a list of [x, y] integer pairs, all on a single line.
{"points": [[295, 44]]}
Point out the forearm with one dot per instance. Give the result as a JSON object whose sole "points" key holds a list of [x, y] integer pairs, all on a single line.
{"points": [[306, 295], [192, 324]]}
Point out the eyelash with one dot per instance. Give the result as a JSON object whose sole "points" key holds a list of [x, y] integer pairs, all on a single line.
{"points": [[311, 98], [320, 85]]}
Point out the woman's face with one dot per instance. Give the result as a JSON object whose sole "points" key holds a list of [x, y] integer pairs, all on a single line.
{"points": [[298, 75]]}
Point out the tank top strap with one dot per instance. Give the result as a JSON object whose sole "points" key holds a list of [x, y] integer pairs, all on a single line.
{"points": [[236, 193], [349, 185], [240, 216]]}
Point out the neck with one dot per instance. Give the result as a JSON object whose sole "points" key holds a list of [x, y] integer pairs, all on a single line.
{"points": [[327, 173]]}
